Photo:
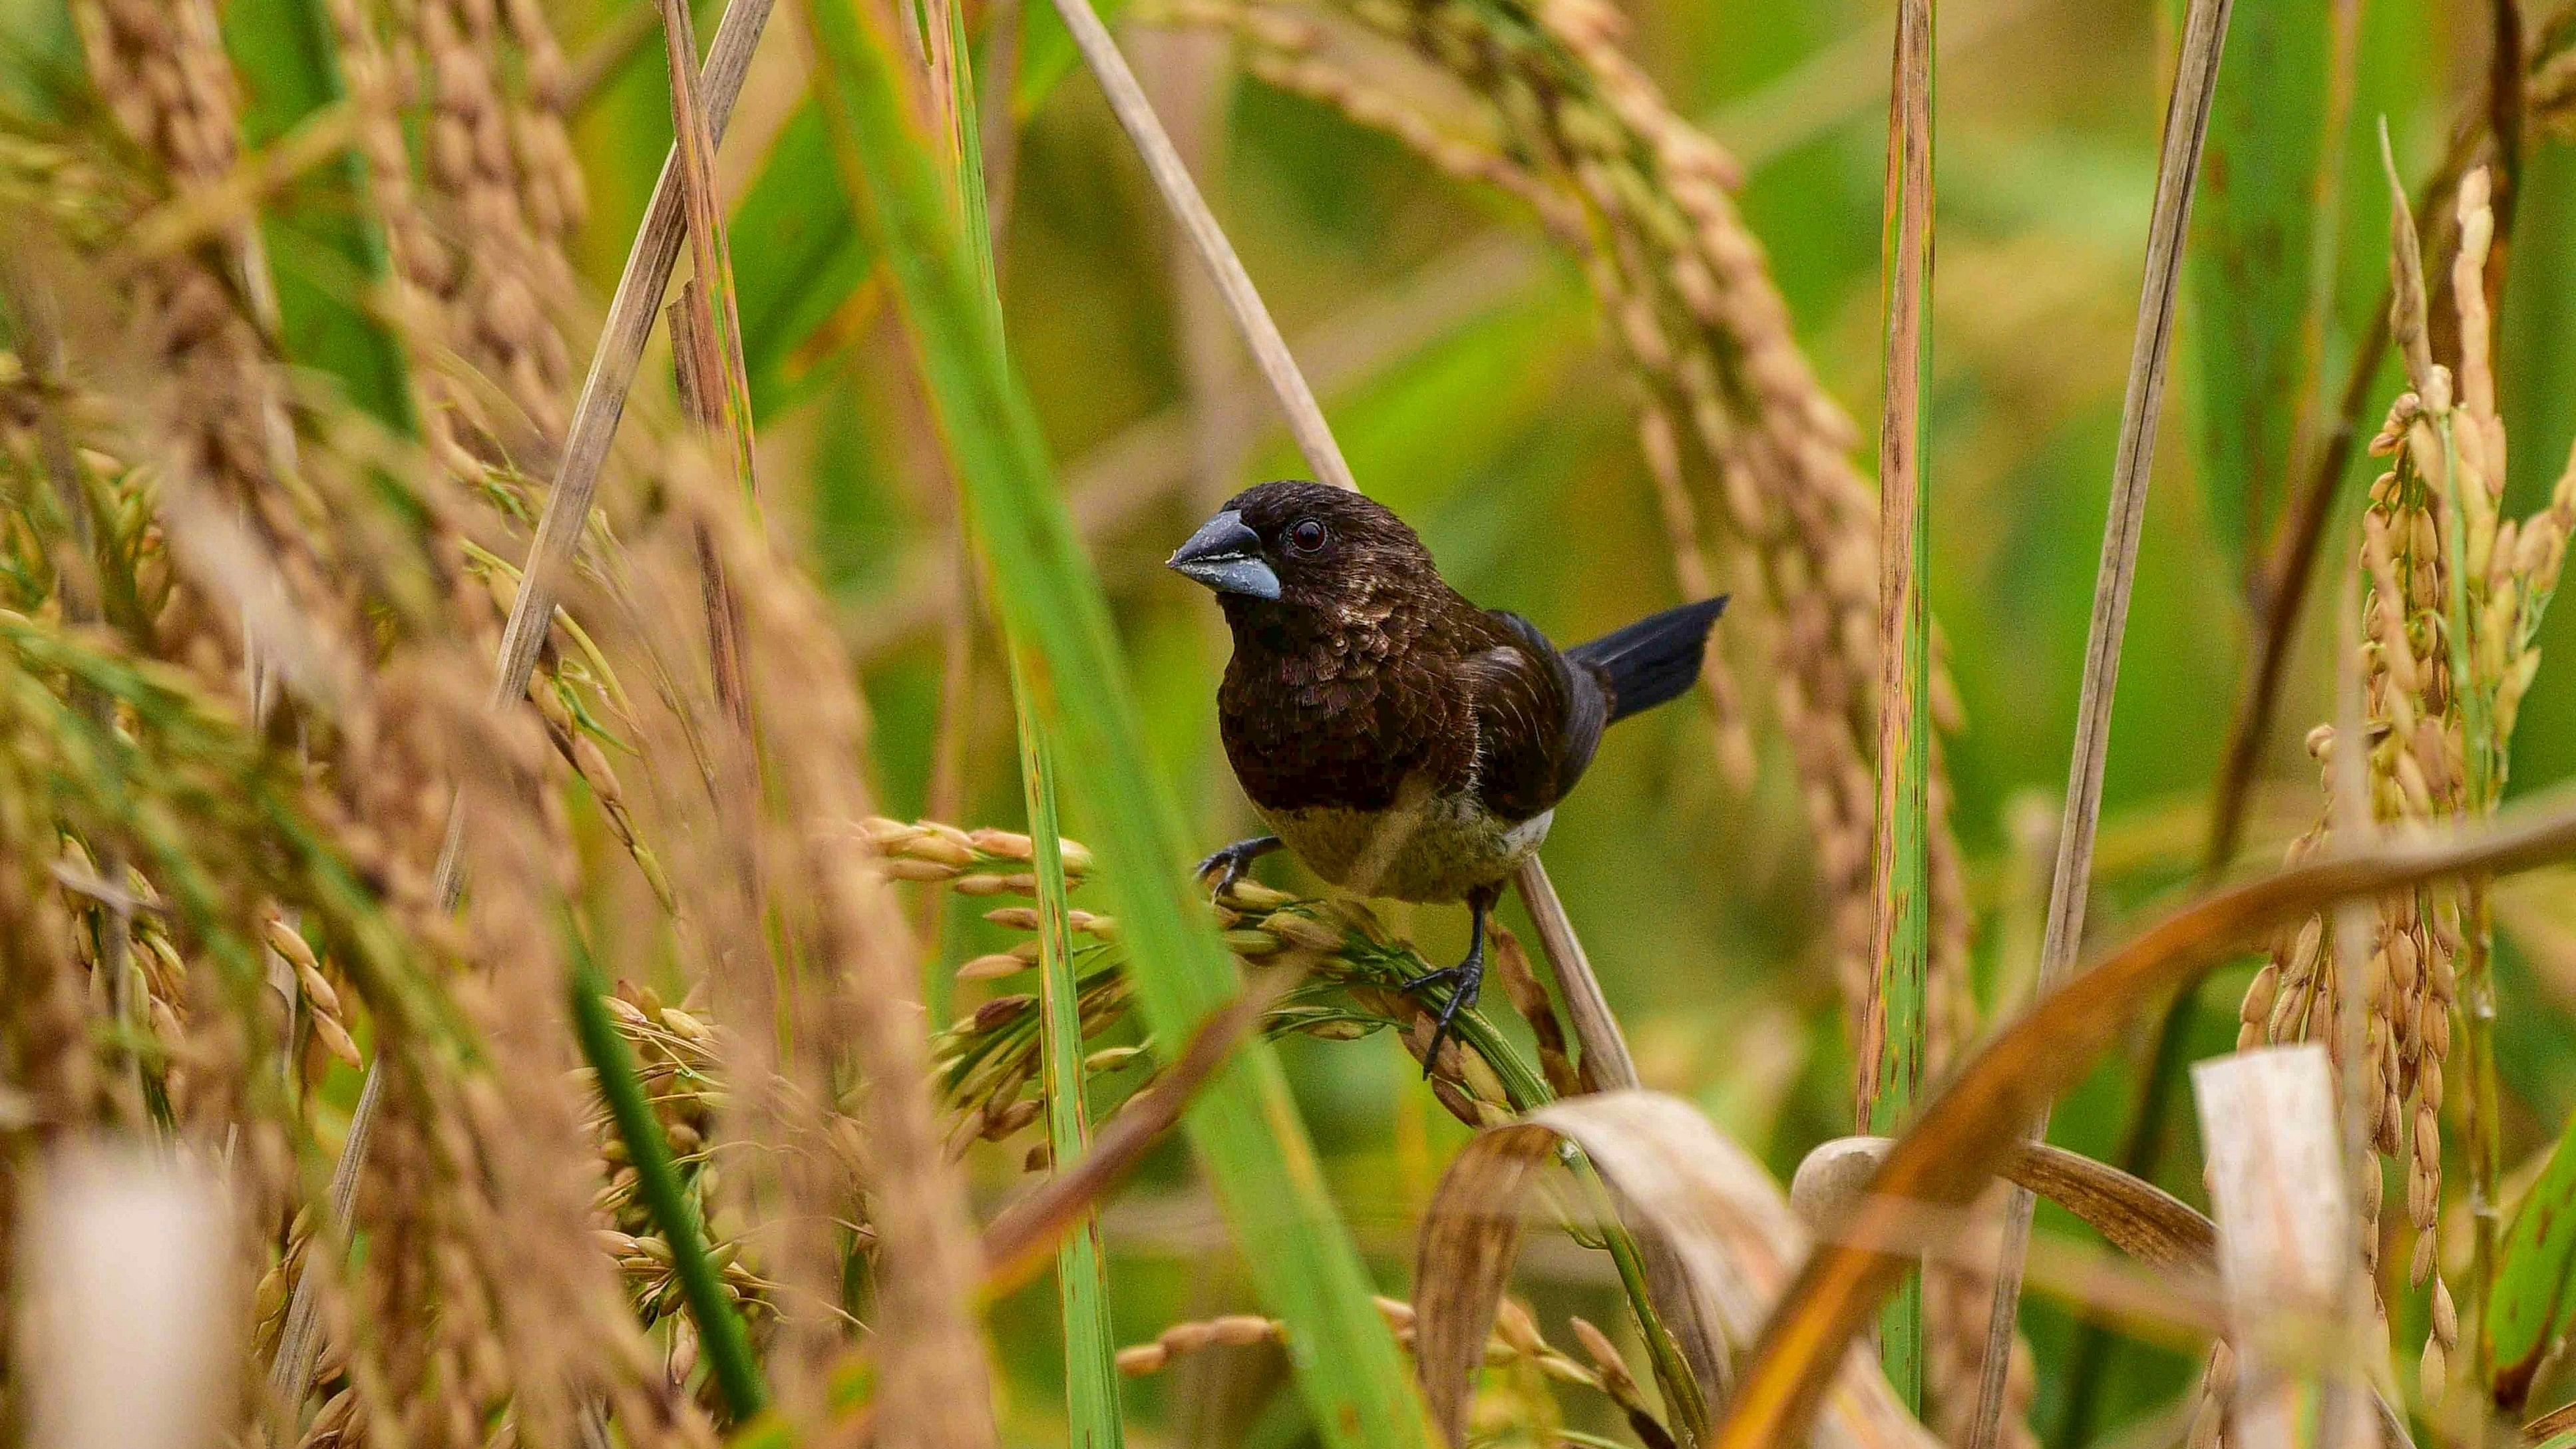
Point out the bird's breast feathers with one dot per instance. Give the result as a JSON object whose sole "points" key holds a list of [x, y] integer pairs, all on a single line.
{"points": [[1427, 847]]}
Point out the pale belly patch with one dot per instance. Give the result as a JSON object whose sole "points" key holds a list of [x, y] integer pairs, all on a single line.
{"points": [[1437, 852]]}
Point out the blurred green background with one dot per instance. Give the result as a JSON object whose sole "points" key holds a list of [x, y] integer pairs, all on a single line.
{"points": [[1470, 379]]}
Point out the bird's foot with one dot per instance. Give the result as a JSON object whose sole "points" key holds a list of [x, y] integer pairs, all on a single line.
{"points": [[1465, 979], [1231, 862]]}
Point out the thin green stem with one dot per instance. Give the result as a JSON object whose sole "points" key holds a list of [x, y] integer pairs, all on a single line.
{"points": [[721, 1335], [1082, 1289], [1082, 1285]]}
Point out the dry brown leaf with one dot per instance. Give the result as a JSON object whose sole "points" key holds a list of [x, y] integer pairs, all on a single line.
{"points": [[1676, 1176], [2137, 1217]]}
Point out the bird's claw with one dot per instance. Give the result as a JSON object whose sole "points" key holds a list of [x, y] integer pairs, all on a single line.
{"points": [[1231, 863], [1467, 977], [1445, 976]]}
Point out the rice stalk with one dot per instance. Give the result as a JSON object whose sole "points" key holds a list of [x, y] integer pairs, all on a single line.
{"points": [[2288, 572], [2454, 596], [1894, 1018], [483, 1310], [2177, 175], [501, 196], [681, 1055], [374, 731], [1967, 1130], [78, 586], [717, 323], [567, 512], [828, 1028], [2549, 84]]}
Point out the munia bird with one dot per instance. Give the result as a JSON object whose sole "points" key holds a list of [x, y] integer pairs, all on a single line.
{"points": [[1397, 739]]}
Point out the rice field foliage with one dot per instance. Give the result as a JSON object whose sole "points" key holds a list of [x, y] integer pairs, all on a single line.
{"points": [[790, 1020]]}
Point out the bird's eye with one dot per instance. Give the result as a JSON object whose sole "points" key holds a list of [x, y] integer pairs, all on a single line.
{"points": [[1306, 535]]}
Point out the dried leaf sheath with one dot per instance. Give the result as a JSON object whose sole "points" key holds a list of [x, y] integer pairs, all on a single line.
{"points": [[1895, 1021]]}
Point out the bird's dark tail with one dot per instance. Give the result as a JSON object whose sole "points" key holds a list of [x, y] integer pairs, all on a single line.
{"points": [[1653, 659]]}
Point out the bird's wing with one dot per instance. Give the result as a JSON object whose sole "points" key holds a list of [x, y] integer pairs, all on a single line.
{"points": [[1538, 717]]}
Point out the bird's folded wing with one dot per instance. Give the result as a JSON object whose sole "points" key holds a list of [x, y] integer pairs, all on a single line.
{"points": [[1537, 717]]}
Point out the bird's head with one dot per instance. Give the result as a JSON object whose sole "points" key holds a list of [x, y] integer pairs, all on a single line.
{"points": [[1299, 545]]}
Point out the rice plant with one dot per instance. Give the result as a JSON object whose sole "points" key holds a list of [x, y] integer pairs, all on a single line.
{"points": [[600, 778]]}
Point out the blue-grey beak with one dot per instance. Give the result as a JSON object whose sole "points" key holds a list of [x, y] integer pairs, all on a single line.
{"points": [[1226, 556]]}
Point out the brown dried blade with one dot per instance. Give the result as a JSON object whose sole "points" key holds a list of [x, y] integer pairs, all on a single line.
{"points": [[1970, 1128]]}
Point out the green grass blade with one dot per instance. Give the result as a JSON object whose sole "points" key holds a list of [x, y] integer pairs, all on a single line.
{"points": [[1082, 1284], [2531, 1306], [1244, 1127], [2252, 266], [720, 1332], [1082, 1288], [1893, 1072], [967, 138]]}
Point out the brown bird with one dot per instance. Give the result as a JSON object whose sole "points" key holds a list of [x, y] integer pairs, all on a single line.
{"points": [[1399, 740]]}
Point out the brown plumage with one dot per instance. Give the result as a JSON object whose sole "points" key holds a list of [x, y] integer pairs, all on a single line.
{"points": [[1398, 739]]}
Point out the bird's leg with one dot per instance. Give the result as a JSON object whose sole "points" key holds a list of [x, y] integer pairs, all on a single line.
{"points": [[1463, 979], [1233, 861]]}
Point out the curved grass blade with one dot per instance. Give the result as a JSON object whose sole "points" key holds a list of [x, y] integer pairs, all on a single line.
{"points": [[720, 1331], [1245, 1127], [2137, 1217], [1970, 1128]]}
